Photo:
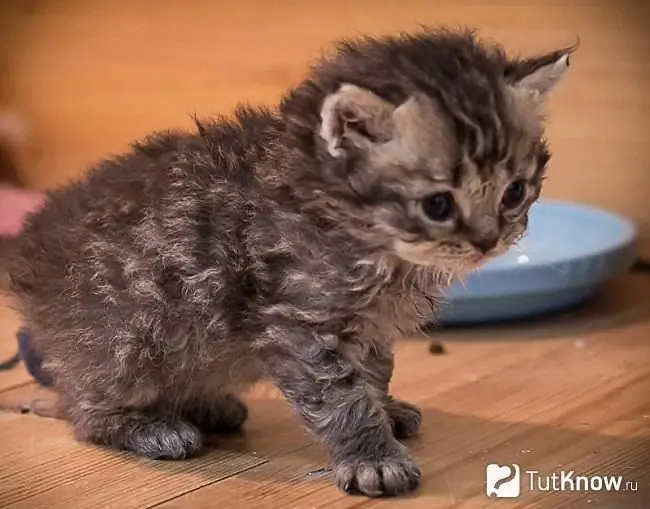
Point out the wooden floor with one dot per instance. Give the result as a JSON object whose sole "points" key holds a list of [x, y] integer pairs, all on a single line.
{"points": [[566, 393]]}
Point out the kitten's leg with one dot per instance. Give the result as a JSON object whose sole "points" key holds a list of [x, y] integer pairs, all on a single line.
{"points": [[344, 411], [406, 418], [148, 432], [220, 413]]}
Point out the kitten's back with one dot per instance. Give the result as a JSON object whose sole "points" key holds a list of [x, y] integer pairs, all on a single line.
{"points": [[131, 204]]}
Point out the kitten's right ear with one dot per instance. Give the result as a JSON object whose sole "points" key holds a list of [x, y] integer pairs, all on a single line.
{"points": [[356, 116], [538, 76]]}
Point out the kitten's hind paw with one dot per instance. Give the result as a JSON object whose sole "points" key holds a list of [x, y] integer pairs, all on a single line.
{"points": [[406, 418], [153, 437], [222, 415], [166, 440]]}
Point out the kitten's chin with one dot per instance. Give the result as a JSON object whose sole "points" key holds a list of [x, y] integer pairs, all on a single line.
{"points": [[427, 254]]}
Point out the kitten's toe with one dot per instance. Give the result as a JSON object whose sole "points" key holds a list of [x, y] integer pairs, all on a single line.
{"points": [[406, 418], [166, 440], [384, 476], [226, 414]]}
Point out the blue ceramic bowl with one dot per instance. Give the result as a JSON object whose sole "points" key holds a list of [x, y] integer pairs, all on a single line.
{"points": [[570, 250]]}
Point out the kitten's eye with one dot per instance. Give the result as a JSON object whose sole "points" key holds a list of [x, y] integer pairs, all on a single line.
{"points": [[438, 206], [514, 195]]}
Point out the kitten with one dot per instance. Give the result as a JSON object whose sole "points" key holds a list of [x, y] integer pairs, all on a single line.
{"points": [[293, 244]]}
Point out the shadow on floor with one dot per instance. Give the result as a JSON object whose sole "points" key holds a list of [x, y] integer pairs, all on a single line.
{"points": [[453, 451]]}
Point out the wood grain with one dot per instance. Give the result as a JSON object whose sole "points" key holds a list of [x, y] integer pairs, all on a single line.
{"points": [[42, 467]]}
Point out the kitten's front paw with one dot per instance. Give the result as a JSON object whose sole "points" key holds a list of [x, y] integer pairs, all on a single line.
{"points": [[166, 440], [406, 418], [391, 475]]}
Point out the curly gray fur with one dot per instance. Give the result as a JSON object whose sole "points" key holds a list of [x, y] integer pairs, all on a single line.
{"points": [[287, 244]]}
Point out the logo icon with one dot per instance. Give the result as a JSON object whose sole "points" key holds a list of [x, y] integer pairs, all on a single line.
{"points": [[503, 480]]}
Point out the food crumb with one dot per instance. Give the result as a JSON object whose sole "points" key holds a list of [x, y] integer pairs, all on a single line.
{"points": [[436, 348]]}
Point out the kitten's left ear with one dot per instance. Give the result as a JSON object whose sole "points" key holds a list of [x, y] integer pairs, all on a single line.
{"points": [[356, 116], [537, 77]]}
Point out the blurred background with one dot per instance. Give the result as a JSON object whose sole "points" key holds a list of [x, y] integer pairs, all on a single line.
{"points": [[80, 79]]}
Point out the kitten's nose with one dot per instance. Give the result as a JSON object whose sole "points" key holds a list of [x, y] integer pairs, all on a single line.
{"points": [[485, 243]]}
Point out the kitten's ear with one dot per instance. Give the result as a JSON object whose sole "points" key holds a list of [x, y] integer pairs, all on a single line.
{"points": [[355, 115], [537, 77]]}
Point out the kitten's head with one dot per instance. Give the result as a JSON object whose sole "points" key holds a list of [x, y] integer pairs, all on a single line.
{"points": [[436, 140]]}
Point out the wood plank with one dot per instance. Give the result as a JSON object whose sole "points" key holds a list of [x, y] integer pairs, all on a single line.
{"points": [[42, 466]]}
